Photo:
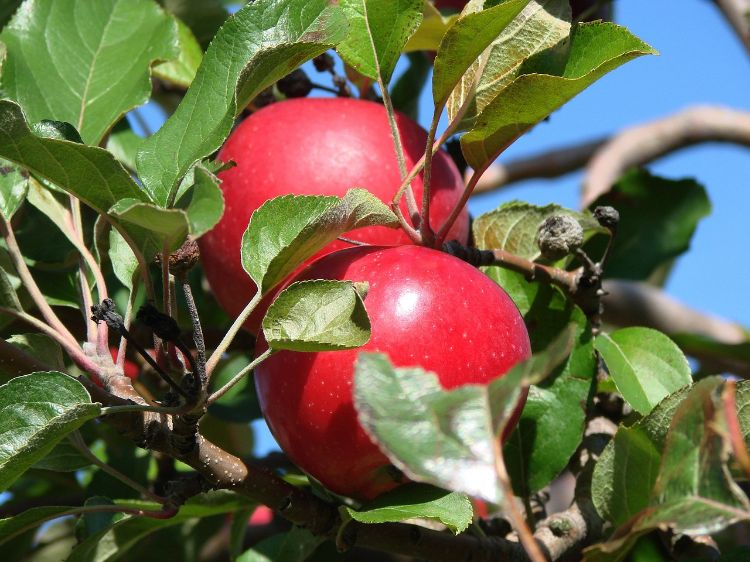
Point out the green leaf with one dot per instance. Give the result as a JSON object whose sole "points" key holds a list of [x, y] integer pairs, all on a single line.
{"points": [[466, 40], [14, 184], [693, 492], [295, 545], [36, 412], [8, 295], [645, 365], [115, 541], [63, 458], [287, 230], [240, 403], [430, 32], [513, 227], [273, 38], [181, 71], [317, 316], [418, 501], [540, 447], [657, 220], [41, 347], [124, 262], [92, 174], [595, 49], [11, 527], [237, 532], [85, 62], [452, 434], [378, 31], [124, 144], [203, 201], [152, 228], [204, 18], [541, 25]]}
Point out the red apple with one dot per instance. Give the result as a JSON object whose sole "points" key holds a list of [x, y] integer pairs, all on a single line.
{"points": [[427, 309], [316, 147]]}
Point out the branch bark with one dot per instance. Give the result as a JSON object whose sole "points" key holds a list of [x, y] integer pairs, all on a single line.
{"points": [[644, 143], [609, 158], [736, 12]]}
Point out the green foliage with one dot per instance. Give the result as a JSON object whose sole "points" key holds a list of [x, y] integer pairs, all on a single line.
{"points": [[417, 501], [453, 435], [378, 31], [36, 412], [287, 230], [72, 69], [317, 316], [513, 227], [545, 83], [645, 365], [91, 69], [657, 220], [681, 452], [90, 173], [274, 37]]}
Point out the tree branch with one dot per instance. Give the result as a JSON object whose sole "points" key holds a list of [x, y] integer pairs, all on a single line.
{"points": [[629, 303], [736, 12], [641, 144], [609, 158], [551, 164]]}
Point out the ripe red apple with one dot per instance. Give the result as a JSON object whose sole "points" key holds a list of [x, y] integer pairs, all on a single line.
{"points": [[316, 146], [427, 309]]}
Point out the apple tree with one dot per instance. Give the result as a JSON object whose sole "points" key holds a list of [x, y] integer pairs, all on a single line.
{"points": [[279, 239]]}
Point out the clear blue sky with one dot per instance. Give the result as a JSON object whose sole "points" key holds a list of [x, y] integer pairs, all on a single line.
{"points": [[701, 62]]}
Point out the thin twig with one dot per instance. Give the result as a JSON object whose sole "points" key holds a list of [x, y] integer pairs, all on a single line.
{"points": [[16, 257], [80, 445], [71, 348], [231, 333], [238, 377]]}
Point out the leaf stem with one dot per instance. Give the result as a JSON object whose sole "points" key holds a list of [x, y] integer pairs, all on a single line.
{"points": [[126, 322], [411, 202], [425, 230], [166, 513], [231, 333], [468, 190], [236, 378], [525, 535], [71, 348], [6, 231], [80, 445]]}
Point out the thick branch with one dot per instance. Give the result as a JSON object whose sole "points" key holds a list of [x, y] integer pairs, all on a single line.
{"points": [[551, 164], [736, 12], [609, 158], [644, 143], [629, 303]]}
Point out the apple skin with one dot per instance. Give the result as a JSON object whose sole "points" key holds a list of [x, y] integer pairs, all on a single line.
{"points": [[316, 146], [427, 309]]}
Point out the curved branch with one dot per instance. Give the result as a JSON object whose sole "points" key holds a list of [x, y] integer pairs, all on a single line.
{"points": [[644, 143], [736, 12], [551, 164], [629, 303]]}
